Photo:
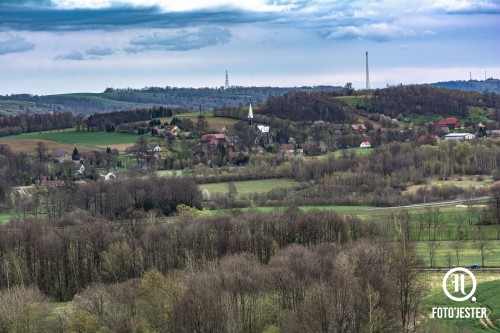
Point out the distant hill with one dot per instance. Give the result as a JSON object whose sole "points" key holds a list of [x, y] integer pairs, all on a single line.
{"points": [[489, 85], [190, 99], [419, 100]]}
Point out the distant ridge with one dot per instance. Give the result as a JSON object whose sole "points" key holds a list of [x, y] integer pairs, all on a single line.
{"points": [[189, 99], [489, 85]]}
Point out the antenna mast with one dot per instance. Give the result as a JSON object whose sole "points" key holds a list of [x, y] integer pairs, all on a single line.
{"points": [[226, 85], [367, 74]]}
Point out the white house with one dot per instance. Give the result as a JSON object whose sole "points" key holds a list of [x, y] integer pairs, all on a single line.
{"points": [[109, 176], [459, 136], [154, 148], [263, 129]]}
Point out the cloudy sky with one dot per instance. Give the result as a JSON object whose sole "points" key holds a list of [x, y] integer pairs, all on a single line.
{"points": [[60, 46]]}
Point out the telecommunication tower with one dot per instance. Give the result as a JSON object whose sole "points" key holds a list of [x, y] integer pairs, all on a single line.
{"points": [[226, 85]]}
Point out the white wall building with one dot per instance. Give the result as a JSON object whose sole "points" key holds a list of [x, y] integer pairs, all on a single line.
{"points": [[459, 136]]}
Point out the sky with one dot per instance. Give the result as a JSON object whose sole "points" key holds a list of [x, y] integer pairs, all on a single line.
{"points": [[64, 46]]}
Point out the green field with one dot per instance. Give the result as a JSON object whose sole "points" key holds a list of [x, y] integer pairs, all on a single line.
{"points": [[480, 114], [214, 123], [468, 255], [248, 187], [82, 138], [5, 218], [487, 294], [98, 98], [355, 100], [14, 107], [357, 151], [341, 209]]}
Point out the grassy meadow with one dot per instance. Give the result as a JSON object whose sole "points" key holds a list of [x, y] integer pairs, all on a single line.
{"points": [[215, 124], [245, 188], [68, 139], [82, 138], [5, 218], [487, 294], [468, 255], [357, 151]]}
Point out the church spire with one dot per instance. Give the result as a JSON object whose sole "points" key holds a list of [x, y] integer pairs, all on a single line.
{"points": [[250, 115]]}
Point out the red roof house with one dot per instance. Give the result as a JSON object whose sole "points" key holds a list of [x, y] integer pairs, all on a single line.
{"points": [[213, 139], [365, 144], [451, 123]]}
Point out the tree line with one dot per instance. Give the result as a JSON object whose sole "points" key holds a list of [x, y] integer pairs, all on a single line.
{"points": [[378, 179], [109, 120], [305, 106], [424, 100], [111, 199], [279, 272], [64, 255], [25, 123]]}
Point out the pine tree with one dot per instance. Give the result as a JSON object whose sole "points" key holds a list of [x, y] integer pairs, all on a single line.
{"points": [[75, 156]]}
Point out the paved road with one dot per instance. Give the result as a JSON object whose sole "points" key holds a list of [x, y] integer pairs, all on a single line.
{"points": [[442, 203]]}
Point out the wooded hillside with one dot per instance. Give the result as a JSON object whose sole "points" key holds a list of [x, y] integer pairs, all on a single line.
{"points": [[422, 100], [308, 107]]}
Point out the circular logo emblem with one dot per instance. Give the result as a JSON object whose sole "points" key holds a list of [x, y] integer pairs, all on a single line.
{"points": [[458, 281]]}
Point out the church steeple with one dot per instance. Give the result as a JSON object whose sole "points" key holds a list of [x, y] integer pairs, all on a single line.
{"points": [[250, 115]]}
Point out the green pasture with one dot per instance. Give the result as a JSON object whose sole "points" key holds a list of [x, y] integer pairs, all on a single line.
{"points": [[99, 99], [5, 218], [82, 138], [468, 255], [355, 100], [191, 115], [480, 114], [348, 210], [487, 294], [357, 151], [421, 119], [214, 123], [14, 107], [245, 188]]}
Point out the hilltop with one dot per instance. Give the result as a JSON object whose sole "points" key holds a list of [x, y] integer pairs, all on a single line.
{"points": [[489, 85], [188, 99]]}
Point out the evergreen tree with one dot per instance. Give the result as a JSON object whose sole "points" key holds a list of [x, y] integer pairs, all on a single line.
{"points": [[75, 155]]}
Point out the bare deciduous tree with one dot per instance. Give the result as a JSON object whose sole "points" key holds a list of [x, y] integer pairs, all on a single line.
{"points": [[23, 310], [432, 246], [482, 244]]}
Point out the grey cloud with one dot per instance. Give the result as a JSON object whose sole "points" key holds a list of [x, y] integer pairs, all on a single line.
{"points": [[73, 55], [379, 32], [91, 54], [332, 20], [10, 43], [43, 18], [468, 7], [179, 40], [100, 51]]}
